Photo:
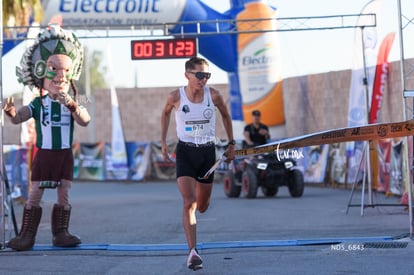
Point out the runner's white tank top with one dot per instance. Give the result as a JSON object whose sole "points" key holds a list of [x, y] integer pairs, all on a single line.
{"points": [[196, 122]]}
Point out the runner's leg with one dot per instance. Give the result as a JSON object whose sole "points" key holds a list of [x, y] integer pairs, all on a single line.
{"points": [[186, 185]]}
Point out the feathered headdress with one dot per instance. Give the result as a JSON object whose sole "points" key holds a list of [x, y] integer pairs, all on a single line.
{"points": [[53, 40]]}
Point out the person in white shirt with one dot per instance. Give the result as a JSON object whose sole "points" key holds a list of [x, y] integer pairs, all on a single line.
{"points": [[195, 113]]}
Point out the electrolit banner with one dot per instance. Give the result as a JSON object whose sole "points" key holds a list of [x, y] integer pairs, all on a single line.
{"points": [[259, 64], [113, 12]]}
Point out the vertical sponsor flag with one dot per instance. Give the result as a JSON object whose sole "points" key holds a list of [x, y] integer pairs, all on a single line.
{"points": [[381, 77], [380, 80], [119, 159], [364, 64]]}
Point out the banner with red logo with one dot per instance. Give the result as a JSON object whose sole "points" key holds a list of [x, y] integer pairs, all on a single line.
{"points": [[381, 77]]}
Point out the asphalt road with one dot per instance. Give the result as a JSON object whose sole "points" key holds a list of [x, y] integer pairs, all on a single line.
{"points": [[135, 228]]}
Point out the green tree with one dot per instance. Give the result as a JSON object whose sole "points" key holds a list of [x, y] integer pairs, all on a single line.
{"points": [[17, 13]]}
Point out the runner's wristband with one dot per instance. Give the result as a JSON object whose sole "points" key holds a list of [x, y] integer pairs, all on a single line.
{"points": [[72, 106], [232, 142]]}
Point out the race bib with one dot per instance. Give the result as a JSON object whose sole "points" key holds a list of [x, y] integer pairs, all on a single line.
{"points": [[198, 129]]}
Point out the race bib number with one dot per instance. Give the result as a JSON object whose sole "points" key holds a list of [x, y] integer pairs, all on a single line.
{"points": [[197, 128]]}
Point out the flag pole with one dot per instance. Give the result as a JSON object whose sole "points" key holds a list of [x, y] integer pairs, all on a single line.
{"points": [[2, 185], [367, 106], [407, 171]]}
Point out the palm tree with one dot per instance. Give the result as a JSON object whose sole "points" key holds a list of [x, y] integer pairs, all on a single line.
{"points": [[17, 13]]}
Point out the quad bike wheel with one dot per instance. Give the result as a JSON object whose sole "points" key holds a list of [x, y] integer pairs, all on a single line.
{"points": [[249, 182], [296, 184], [231, 189]]}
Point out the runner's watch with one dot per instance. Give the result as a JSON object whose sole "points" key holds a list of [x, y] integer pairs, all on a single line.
{"points": [[232, 142]]}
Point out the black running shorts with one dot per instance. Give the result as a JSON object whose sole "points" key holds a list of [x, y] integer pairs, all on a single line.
{"points": [[194, 161]]}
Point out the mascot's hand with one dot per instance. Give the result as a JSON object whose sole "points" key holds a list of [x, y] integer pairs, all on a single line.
{"points": [[65, 99], [9, 108]]}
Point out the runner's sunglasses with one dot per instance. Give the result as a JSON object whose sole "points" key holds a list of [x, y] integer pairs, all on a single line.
{"points": [[201, 75]]}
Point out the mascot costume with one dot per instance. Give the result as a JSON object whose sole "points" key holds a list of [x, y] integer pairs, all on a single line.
{"points": [[49, 68]]}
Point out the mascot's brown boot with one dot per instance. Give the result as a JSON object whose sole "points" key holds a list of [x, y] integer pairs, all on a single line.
{"points": [[60, 225], [26, 238]]}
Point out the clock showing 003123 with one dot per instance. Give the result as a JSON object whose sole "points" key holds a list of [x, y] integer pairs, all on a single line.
{"points": [[163, 48]]}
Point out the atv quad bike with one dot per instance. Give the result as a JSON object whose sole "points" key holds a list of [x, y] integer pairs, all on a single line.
{"points": [[266, 171]]}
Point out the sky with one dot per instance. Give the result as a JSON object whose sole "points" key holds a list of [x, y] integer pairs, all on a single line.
{"points": [[303, 52]]}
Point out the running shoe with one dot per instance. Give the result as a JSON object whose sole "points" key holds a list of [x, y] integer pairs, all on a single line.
{"points": [[194, 260]]}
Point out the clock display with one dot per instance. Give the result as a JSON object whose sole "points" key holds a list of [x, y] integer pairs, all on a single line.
{"points": [[163, 48]]}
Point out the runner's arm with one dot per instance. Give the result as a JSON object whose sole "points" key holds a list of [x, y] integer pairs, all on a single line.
{"points": [[227, 123], [172, 100]]}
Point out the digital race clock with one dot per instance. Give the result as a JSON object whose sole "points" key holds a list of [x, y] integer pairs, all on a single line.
{"points": [[163, 48]]}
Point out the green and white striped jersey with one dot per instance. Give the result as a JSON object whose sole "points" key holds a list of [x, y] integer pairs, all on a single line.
{"points": [[54, 124]]}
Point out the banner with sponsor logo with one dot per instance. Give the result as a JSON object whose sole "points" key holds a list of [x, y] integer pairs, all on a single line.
{"points": [[114, 170], [161, 169], [116, 161], [380, 82], [16, 169], [313, 162], [384, 157], [138, 160], [24, 170], [89, 161], [76, 159], [259, 64], [364, 65], [337, 163], [381, 77], [397, 177], [407, 168], [355, 164], [100, 13]]}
